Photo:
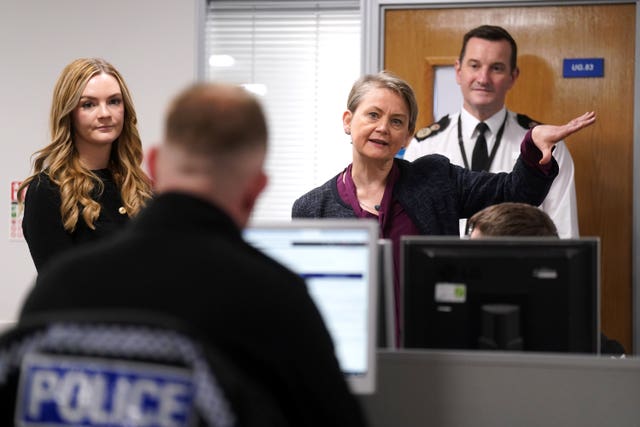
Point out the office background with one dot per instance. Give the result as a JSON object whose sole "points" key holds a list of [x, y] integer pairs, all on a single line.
{"points": [[157, 45]]}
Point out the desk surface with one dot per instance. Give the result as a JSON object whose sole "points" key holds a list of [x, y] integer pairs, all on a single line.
{"points": [[454, 388]]}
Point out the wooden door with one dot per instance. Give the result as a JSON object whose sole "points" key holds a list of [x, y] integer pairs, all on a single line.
{"points": [[415, 40]]}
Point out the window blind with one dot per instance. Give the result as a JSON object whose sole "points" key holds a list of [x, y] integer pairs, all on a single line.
{"points": [[301, 58]]}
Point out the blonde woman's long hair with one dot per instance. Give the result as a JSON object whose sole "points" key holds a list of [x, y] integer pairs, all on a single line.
{"points": [[60, 159]]}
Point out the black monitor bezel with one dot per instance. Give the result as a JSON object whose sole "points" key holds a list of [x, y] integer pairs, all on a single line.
{"points": [[412, 337]]}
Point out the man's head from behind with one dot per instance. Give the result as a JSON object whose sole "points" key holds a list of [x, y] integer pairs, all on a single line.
{"points": [[511, 219], [214, 147]]}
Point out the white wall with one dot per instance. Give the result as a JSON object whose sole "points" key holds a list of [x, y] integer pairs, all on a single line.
{"points": [[153, 43]]}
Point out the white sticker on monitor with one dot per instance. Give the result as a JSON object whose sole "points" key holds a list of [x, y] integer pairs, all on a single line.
{"points": [[451, 292], [545, 273]]}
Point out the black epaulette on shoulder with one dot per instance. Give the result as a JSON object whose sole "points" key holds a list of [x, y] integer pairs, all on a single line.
{"points": [[433, 128], [526, 121]]}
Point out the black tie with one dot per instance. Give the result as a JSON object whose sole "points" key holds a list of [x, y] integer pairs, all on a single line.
{"points": [[480, 156]]}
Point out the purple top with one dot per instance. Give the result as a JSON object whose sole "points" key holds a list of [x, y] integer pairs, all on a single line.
{"points": [[394, 221]]}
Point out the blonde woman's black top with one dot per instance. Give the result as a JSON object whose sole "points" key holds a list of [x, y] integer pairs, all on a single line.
{"points": [[42, 222]]}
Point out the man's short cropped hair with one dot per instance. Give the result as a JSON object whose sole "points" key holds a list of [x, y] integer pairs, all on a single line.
{"points": [[215, 118], [512, 219], [491, 33]]}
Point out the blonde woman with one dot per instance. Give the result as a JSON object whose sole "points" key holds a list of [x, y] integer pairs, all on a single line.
{"points": [[88, 181]]}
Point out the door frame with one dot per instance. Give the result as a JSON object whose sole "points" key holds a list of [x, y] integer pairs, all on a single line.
{"points": [[372, 15]]}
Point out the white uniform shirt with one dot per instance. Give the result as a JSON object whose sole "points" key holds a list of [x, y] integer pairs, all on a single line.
{"points": [[560, 203]]}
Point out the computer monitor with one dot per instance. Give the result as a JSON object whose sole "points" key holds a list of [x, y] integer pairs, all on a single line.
{"points": [[531, 294], [339, 261]]}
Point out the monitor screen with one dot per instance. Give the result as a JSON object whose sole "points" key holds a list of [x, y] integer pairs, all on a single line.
{"points": [[530, 294], [339, 261]]}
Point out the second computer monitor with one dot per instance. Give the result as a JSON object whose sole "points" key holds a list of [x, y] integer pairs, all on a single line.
{"points": [[531, 294]]}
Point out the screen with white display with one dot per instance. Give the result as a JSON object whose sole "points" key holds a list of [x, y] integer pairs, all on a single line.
{"points": [[338, 260]]}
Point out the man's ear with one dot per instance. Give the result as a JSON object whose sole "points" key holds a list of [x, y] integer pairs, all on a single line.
{"points": [[254, 189], [152, 158], [457, 67], [259, 184], [514, 75]]}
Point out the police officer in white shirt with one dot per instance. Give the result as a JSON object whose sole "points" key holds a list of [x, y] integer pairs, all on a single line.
{"points": [[485, 71]]}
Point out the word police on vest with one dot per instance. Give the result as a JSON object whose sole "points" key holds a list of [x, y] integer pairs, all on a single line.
{"points": [[65, 391]]}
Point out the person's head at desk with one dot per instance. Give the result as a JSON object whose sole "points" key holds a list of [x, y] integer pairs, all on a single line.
{"points": [[522, 220], [511, 219]]}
